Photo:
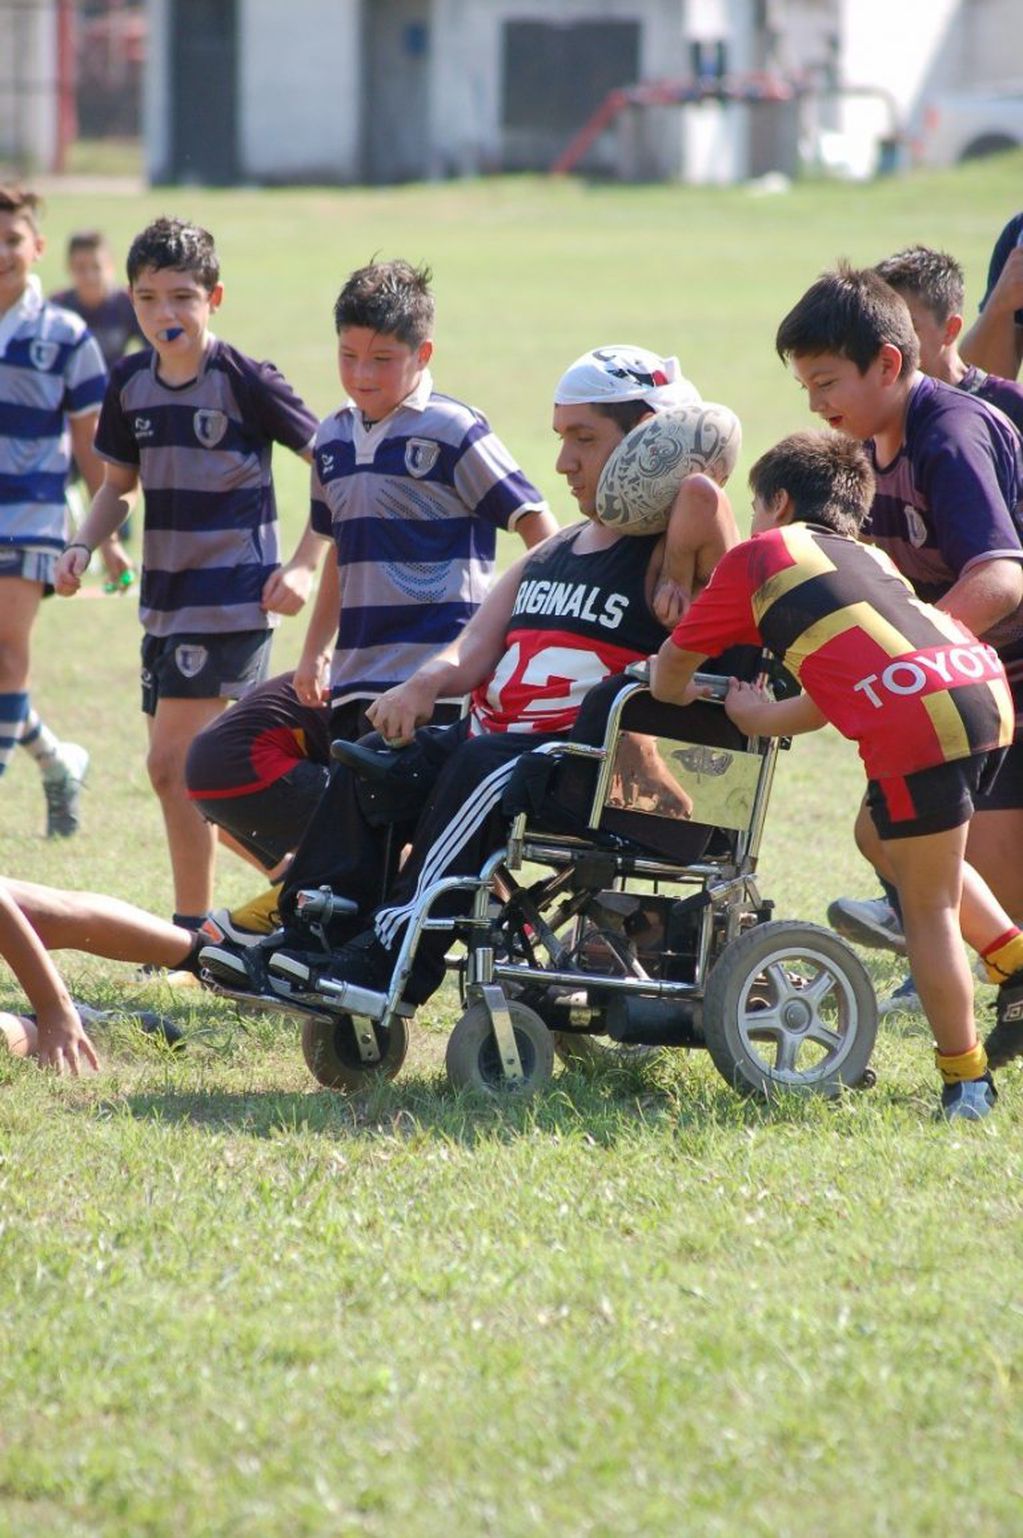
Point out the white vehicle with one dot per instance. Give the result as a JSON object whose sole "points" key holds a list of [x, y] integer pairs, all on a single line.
{"points": [[963, 125]]}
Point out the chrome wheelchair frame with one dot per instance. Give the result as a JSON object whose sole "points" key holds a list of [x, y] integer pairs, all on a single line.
{"points": [[550, 966]]}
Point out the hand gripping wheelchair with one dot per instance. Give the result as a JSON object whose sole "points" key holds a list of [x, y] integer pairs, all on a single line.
{"points": [[621, 917]]}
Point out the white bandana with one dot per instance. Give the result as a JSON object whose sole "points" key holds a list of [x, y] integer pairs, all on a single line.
{"points": [[620, 372]]}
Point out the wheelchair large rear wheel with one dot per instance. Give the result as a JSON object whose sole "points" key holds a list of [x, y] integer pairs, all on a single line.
{"points": [[474, 1062], [332, 1053], [789, 1006]]}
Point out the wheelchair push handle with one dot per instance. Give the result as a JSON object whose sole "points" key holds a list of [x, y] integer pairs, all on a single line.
{"points": [[714, 685]]}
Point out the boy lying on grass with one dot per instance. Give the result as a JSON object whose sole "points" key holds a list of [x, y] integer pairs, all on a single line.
{"points": [[926, 702]]}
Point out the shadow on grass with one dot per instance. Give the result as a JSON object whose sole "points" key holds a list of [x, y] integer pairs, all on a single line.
{"points": [[604, 1108]]}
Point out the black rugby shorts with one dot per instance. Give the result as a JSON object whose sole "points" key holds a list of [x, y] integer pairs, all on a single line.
{"points": [[202, 667], [932, 800]]}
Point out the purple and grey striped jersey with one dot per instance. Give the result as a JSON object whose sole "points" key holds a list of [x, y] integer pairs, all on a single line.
{"points": [[1006, 394], [51, 369], [413, 504], [951, 499], [203, 453]]}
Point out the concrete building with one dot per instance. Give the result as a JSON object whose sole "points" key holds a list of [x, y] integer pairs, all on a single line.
{"points": [[395, 90], [30, 84]]}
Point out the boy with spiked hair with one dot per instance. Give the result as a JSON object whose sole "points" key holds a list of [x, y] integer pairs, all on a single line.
{"points": [[194, 422], [949, 485], [412, 486], [926, 702]]}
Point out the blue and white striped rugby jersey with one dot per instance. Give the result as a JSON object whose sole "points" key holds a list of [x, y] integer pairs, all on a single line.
{"points": [[203, 453], [413, 504], [51, 369]]}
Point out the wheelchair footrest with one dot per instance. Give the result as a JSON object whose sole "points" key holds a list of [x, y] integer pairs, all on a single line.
{"points": [[273, 1004]]}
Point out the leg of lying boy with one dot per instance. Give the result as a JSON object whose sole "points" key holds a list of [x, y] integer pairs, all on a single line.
{"points": [[103, 926]]}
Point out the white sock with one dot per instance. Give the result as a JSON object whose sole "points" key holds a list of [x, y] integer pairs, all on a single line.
{"points": [[38, 741]]}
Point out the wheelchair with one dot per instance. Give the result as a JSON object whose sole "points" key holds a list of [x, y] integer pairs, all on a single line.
{"points": [[621, 918]]}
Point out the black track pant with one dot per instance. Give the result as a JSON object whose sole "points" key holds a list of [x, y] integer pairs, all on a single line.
{"points": [[454, 822]]}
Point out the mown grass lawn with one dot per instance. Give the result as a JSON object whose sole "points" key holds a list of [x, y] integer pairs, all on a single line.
{"points": [[235, 1304]]}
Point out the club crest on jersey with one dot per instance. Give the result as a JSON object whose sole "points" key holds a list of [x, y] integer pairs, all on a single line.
{"points": [[210, 427], [915, 527], [42, 354], [190, 660], [421, 454]]}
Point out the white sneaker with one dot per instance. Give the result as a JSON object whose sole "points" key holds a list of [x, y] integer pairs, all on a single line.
{"points": [[62, 785], [870, 921], [903, 1000]]}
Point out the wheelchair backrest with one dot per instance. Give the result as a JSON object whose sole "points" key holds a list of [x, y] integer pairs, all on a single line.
{"points": [[676, 779]]}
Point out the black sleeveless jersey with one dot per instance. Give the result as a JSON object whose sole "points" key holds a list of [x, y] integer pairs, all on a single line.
{"points": [[577, 618]]}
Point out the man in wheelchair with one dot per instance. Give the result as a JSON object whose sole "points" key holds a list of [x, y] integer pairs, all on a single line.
{"points": [[574, 611]]}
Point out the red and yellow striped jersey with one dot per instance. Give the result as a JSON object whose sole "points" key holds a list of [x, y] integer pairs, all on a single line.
{"points": [[906, 682]]}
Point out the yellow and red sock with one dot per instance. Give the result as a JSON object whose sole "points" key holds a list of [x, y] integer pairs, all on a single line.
{"points": [[956, 1067], [1003, 956]]}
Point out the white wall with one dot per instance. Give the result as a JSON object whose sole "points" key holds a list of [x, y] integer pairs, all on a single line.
{"points": [[715, 135], [299, 90], [465, 86], [156, 123], [992, 45], [898, 46], [28, 85]]}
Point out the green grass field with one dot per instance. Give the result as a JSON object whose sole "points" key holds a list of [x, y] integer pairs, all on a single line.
{"points": [[233, 1304]]}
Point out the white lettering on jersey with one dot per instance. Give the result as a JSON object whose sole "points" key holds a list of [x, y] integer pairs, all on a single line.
{"points": [[952, 664], [541, 596]]}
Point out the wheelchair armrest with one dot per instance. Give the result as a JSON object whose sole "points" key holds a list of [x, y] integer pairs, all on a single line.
{"points": [[367, 763], [568, 750]]}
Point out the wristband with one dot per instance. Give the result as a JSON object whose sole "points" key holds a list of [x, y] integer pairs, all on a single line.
{"points": [[77, 544]]}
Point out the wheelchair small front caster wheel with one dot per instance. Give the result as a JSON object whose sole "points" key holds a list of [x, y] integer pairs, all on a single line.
{"points": [[474, 1058], [331, 1051]]}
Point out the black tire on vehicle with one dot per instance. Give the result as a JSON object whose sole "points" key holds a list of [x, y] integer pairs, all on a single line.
{"points": [[790, 1006], [474, 1062], [592, 1054], [332, 1055]]}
